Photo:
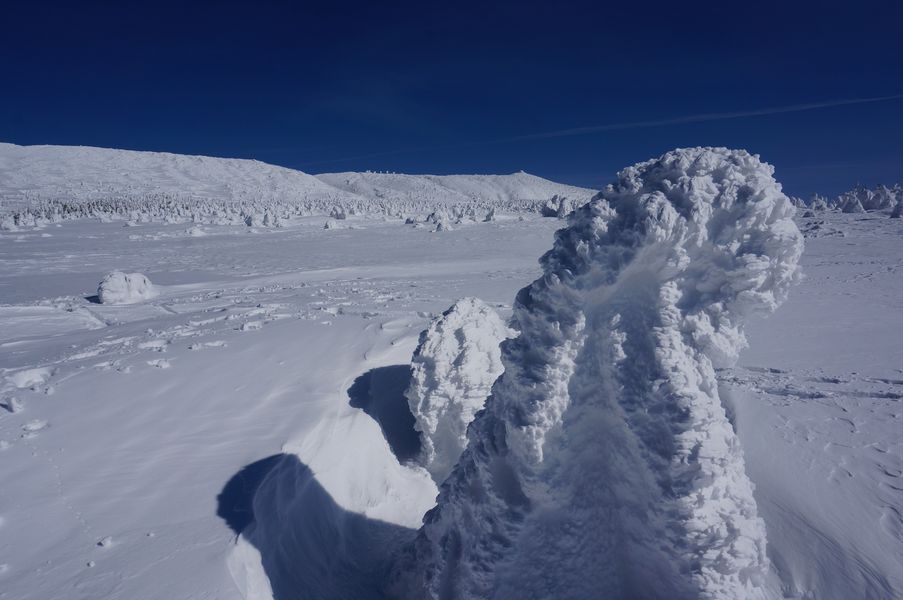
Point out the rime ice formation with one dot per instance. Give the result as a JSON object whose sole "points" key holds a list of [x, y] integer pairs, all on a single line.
{"points": [[124, 288], [454, 366], [603, 465], [861, 199]]}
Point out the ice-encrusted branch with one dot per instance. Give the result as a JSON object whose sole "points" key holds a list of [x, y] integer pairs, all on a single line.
{"points": [[603, 465]]}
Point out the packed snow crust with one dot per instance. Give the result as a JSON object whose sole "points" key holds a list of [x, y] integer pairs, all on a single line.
{"points": [[453, 368], [125, 288], [604, 464]]}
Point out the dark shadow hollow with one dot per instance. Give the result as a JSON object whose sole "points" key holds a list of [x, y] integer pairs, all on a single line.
{"points": [[311, 548], [235, 502], [380, 393]]}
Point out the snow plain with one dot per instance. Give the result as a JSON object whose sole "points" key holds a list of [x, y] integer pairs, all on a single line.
{"points": [[266, 379], [134, 418]]}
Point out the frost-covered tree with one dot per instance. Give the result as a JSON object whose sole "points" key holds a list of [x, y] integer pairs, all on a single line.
{"points": [[603, 465], [818, 202], [453, 368]]}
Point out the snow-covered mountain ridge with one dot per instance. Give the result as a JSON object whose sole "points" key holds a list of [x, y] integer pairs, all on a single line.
{"points": [[51, 183], [449, 189]]}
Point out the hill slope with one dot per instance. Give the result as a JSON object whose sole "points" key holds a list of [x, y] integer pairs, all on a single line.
{"points": [[452, 189], [86, 173], [40, 183]]}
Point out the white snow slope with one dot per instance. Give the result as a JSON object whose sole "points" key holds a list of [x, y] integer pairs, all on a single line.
{"points": [[454, 189], [87, 173], [262, 391], [58, 182]]}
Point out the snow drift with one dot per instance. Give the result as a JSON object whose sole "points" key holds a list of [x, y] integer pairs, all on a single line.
{"points": [[455, 364], [124, 288], [603, 464]]}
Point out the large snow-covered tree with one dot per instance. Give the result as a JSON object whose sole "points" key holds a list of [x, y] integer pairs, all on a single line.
{"points": [[604, 465]]}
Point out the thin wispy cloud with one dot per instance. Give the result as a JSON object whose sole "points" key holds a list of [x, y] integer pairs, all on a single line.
{"points": [[591, 129], [701, 118]]}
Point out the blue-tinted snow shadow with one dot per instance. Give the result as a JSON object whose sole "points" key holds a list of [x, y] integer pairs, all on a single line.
{"points": [[310, 547], [235, 503], [380, 393]]}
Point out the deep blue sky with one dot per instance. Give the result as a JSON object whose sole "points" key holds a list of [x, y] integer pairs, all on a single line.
{"points": [[433, 87]]}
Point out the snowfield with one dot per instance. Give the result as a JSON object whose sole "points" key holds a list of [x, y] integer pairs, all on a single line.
{"points": [[250, 430]]}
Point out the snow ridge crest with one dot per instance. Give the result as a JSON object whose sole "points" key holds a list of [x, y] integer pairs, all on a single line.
{"points": [[603, 464]]}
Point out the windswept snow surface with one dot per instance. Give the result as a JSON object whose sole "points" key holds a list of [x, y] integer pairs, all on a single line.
{"points": [[282, 408], [604, 464], [155, 423], [456, 362]]}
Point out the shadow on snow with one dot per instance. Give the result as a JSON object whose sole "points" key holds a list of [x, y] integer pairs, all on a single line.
{"points": [[310, 547], [380, 393]]}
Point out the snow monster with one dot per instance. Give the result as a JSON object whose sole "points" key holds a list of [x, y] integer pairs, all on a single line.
{"points": [[604, 465]]}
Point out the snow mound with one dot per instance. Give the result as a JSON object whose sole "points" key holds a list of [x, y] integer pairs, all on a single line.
{"points": [[125, 288], [453, 368], [29, 377], [604, 465]]}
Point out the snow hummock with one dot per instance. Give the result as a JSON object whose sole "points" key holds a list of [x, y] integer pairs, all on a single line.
{"points": [[456, 362], [29, 377], [125, 288], [604, 464]]}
